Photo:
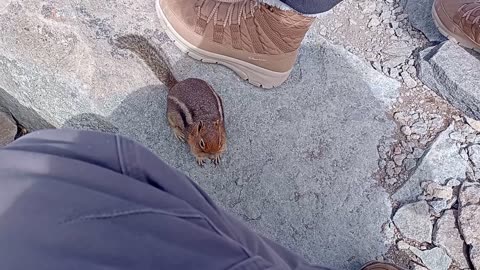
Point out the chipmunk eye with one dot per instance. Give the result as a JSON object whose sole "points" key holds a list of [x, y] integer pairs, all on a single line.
{"points": [[202, 144]]}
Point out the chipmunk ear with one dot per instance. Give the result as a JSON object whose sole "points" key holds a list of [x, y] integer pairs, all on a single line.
{"points": [[200, 126]]}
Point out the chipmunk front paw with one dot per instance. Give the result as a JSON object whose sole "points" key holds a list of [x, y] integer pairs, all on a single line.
{"points": [[216, 160], [180, 137], [200, 162]]}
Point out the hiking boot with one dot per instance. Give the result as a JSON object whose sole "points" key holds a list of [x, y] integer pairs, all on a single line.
{"points": [[459, 20], [259, 42], [380, 266]]}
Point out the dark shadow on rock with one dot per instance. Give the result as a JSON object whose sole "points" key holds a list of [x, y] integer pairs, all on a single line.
{"points": [[25, 117], [90, 121], [474, 53]]}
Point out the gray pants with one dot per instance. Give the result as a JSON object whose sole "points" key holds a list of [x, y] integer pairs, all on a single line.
{"points": [[311, 6], [85, 200]]}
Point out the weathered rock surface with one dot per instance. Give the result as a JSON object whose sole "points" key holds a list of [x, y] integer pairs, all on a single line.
{"points": [[448, 237], [301, 157], [420, 16], [474, 155], [475, 124], [439, 197], [474, 158], [413, 221], [433, 259], [433, 190], [441, 163], [454, 73], [8, 129], [469, 219]]}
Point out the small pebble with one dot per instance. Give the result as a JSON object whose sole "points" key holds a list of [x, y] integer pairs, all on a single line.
{"points": [[398, 159], [457, 136], [419, 128], [398, 10], [390, 168], [402, 245], [377, 66], [406, 130], [382, 163], [374, 22], [412, 70], [415, 136], [391, 181], [418, 153], [402, 17], [408, 80], [410, 164], [453, 183]]}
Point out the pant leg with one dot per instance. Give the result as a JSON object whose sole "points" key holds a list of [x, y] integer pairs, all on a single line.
{"points": [[87, 200], [307, 7]]}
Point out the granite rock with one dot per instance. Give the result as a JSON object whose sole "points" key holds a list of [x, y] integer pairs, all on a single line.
{"points": [[420, 16], [439, 164], [454, 73], [413, 221], [469, 219], [448, 237], [433, 259]]}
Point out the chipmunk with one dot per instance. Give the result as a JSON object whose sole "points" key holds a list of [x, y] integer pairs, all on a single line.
{"points": [[194, 109]]}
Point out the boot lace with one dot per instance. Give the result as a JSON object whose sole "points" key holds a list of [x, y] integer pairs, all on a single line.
{"points": [[471, 12], [244, 8]]}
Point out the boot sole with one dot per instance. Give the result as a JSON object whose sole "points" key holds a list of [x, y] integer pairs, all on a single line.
{"points": [[451, 36], [381, 265], [255, 75]]}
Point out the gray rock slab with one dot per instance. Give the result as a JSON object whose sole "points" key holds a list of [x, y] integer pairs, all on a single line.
{"points": [[413, 221], [441, 163], [433, 259], [469, 219], [8, 128], [448, 237], [420, 16], [454, 73], [300, 159]]}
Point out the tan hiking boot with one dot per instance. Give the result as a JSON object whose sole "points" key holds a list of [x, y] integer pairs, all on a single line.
{"points": [[459, 20], [380, 266], [260, 43]]}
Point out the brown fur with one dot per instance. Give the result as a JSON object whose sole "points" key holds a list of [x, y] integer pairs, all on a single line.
{"points": [[194, 109]]}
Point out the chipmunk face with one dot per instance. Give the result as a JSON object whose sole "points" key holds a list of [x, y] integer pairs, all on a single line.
{"points": [[208, 139]]}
